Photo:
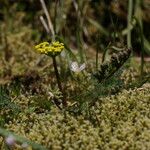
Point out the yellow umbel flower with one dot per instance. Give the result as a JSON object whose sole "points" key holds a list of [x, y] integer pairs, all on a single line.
{"points": [[52, 49]]}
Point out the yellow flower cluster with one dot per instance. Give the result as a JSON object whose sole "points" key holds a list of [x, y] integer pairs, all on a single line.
{"points": [[52, 49]]}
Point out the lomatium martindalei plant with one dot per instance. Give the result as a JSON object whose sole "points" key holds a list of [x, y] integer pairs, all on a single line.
{"points": [[53, 49]]}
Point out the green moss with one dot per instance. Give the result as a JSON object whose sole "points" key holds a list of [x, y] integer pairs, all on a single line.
{"points": [[122, 123]]}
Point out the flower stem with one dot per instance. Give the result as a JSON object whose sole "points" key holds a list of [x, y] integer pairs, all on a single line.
{"points": [[58, 81], [130, 10]]}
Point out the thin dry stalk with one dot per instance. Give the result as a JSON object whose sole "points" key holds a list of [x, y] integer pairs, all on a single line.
{"points": [[50, 25], [44, 24]]}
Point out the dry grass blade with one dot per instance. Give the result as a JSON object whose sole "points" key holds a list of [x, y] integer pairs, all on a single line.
{"points": [[48, 18]]}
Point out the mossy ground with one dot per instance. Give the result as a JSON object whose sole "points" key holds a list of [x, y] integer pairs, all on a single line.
{"points": [[118, 122]]}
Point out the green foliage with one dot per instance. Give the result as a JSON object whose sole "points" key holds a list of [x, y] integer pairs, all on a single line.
{"points": [[108, 68], [109, 81], [5, 100], [8, 109]]}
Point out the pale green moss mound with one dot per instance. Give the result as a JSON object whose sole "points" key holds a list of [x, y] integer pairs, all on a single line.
{"points": [[119, 122]]}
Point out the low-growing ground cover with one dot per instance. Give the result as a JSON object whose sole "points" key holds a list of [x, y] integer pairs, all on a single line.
{"points": [[116, 122], [79, 79]]}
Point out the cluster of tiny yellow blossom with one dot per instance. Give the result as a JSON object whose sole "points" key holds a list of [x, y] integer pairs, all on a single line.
{"points": [[53, 49]]}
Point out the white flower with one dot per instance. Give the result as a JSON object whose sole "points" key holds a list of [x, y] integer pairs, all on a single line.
{"points": [[63, 54], [10, 140], [74, 66]]}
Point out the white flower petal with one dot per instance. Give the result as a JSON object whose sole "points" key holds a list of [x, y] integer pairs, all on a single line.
{"points": [[82, 67], [63, 54], [74, 67]]}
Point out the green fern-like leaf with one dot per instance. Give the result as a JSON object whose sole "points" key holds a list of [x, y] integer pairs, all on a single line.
{"points": [[108, 68], [5, 100]]}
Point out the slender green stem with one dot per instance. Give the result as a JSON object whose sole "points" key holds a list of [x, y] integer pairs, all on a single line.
{"points": [[142, 44], [57, 74], [105, 51], [79, 32], [58, 81], [55, 15], [138, 14], [142, 51], [130, 10], [97, 49], [96, 58]]}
